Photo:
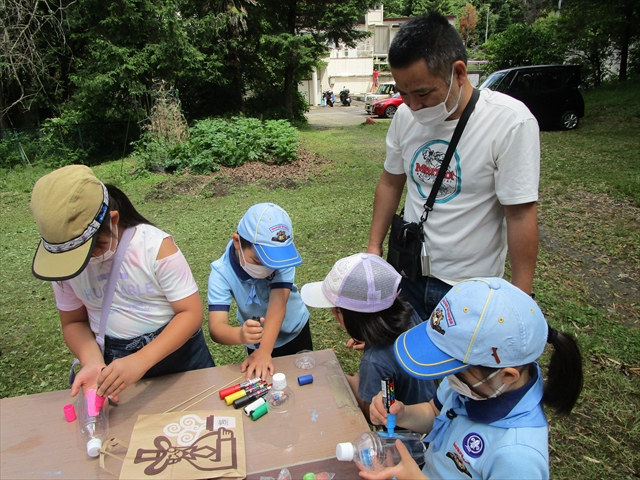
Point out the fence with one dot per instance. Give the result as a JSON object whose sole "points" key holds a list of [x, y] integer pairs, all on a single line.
{"points": [[89, 143]]}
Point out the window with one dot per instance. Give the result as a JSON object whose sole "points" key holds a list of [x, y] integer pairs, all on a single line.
{"points": [[524, 82], [550, 79]]}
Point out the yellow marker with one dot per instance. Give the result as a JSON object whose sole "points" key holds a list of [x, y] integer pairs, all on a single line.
{"points": [[234, 396]]}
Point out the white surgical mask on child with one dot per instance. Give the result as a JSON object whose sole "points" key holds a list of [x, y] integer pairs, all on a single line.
{"points": [[432, 116], [108, 253], [255, 271], [465, 390]]}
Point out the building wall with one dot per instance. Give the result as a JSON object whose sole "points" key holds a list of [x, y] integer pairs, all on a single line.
{"points": [[352, 68]]}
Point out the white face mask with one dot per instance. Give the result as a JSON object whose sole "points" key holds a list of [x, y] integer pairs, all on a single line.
{"points": [[254, 271], [465, 390], [108, 253], [432, 116]]}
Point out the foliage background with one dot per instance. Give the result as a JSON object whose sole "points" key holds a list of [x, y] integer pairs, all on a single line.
{"points": [[80, 59]]}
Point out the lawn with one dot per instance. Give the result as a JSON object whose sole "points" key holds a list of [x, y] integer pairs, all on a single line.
{"points": [[586, 280]]}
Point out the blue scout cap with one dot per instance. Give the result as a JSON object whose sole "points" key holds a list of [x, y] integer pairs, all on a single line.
{"points": [[268, 227], [481, 321]]}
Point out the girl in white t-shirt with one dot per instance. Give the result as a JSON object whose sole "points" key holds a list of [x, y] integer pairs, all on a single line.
{"points": [[155, 317]]}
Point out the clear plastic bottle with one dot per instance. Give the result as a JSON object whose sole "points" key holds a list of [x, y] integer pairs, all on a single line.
{"points": [[92, 412], [374, 451], [281, 407]]}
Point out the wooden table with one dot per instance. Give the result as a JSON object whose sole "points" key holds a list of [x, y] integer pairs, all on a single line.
{"points": [[36, 441]]}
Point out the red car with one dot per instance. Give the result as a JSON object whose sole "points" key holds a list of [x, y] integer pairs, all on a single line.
{"points": [[387, 106]]}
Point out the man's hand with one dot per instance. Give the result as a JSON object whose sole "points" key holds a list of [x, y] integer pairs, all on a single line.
{"points": [[259, 362], [119, 374]]}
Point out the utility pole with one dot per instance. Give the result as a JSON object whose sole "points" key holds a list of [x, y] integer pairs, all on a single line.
{"points": [[486, 32]]}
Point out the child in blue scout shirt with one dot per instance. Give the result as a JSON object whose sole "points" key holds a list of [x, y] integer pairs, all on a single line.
{"points": [[257, 270], [362, 292], [487, 420]]}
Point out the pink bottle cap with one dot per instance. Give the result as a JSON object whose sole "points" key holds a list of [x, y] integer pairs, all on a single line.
{"points": [[69, 412], [94, 403]]}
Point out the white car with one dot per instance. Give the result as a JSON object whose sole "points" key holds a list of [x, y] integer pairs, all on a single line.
{"points": [[385, 90]]}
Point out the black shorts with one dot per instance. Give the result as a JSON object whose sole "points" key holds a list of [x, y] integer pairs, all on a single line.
{"points": [[301, 342]]}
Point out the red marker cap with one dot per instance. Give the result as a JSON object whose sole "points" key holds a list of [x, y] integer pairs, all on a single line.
{"points": [[228, 391]]}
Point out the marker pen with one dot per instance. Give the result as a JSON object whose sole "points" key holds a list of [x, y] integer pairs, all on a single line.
{"points": [[389, 398], [241, 402], [256, 386], [234, 388]]}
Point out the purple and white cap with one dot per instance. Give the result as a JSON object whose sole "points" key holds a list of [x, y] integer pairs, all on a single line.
{"points": [[361, 283]]}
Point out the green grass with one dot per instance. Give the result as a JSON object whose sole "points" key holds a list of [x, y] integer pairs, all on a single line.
{"points": [[586, 280]]}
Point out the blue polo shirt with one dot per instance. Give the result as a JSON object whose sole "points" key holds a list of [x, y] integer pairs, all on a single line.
{"points": [[503, 438], [228, 281]]}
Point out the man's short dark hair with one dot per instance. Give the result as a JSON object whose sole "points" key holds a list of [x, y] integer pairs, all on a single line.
{"points": [[430, 38]]}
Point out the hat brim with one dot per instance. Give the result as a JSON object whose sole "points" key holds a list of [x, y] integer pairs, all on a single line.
{"points": [[313, 296], [278, 257], [55, 267], [420, 357]]}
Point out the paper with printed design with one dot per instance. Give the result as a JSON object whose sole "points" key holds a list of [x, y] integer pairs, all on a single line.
{"points": [[187, 445]]}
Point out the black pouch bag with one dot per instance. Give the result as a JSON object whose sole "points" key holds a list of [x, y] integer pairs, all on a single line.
{"points": [[405, 246]]}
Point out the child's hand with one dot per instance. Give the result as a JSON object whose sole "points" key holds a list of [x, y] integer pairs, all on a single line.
{"points": [[378, 412], [251, 331], [259, 362], [119, 374], [86, 378], [406, 469], [355, 344]]}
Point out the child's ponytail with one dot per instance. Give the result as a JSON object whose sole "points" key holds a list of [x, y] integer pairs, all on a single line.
{"points": [[564, 379]]}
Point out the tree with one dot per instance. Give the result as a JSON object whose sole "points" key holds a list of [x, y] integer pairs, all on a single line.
{"points": [[33, 40], [522, 44], [586, 33], [295, 35], [626, 29], [467, 22], [421, 7]]}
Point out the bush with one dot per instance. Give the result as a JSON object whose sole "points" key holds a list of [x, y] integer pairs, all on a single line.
{"points": [[39, 146], [217, 142]]}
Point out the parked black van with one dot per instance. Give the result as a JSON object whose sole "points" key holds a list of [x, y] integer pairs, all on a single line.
{"points": [[550, 91]]}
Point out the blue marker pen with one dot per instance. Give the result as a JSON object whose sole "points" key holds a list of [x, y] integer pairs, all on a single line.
{"points": [[389, 398]]}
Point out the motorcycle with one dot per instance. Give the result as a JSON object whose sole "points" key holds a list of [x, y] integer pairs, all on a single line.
{"points": [[345, 98], [328, 97]]}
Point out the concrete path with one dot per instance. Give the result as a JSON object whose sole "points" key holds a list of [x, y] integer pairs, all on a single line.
{"points": [[338, 115]]}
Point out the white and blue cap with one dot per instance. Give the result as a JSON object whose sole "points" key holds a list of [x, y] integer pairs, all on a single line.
{"points": [[268, 227], [481, 321]]}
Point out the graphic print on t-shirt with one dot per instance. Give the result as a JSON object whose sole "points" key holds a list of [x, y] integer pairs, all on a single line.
{"points": [[425, 166]]}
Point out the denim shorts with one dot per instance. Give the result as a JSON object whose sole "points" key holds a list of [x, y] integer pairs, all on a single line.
{"points": [[424, 294], [193, 355]]}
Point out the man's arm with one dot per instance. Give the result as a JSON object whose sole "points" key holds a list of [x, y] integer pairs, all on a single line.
{"points": [[385, 204], [522, 243]]}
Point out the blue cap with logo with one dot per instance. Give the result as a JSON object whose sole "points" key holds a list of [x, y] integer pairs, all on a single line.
{"points": [[481, 321], [268, 227]]}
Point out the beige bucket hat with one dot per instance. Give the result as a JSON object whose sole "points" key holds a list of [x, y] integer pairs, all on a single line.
{"points": [[69, 205]]}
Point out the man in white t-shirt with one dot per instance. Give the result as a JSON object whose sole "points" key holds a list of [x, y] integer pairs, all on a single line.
{"points": [[487, 202]]}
